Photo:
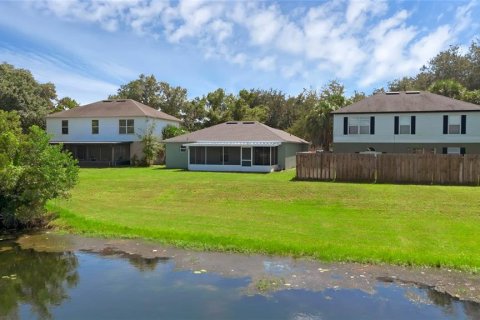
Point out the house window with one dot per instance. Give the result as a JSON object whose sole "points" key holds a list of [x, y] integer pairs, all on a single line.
{"points": [[261, 156], [453, 150], [197, 155], [454, 124], [231, 156], [359, 125], [274, 155], [183, 148], [94, 126], [64, 126], [405, 125], [214, 155], [126, 126]]}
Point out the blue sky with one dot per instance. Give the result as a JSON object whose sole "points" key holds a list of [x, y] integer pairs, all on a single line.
{"points": [[89, 48]]}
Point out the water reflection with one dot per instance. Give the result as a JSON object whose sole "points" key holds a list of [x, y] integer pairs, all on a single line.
{"points": [[116, 284], [38, 279], [143, 264]]}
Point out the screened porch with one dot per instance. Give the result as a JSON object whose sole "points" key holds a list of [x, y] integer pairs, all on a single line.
{"points": [[100, 154], [255, 158]]}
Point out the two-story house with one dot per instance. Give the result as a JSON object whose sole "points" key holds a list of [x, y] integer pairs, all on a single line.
{"points": [[407, 122], [107, 132]]}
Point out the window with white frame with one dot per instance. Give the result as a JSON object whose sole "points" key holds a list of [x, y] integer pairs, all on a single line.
{"points": [[404, 125], [454, 124], [359, 125], [126, 126]]}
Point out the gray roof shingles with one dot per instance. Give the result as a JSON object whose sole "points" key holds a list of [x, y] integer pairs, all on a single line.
{"points": [[114, 108], [238, 131], [416, 101]]}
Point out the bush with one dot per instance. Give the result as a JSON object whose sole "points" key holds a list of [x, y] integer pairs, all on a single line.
{"points": [[31, 172]]}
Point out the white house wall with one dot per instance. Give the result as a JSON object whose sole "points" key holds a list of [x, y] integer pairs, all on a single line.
{"points": [[231, 168], [80, 129], [429, 129]]}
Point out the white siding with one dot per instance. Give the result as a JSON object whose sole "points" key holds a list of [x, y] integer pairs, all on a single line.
{"points": [[80, 129], [429, 129], [231, 168]]}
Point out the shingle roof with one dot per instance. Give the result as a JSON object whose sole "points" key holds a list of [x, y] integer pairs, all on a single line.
{"points": [[408, 101], [238, 131], [113, 108]]}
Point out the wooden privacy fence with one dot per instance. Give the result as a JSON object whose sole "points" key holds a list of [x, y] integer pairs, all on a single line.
{"points": [[390, 168]]}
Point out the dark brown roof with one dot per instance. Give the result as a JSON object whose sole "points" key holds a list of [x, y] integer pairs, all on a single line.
{"points": [[113, 108], [238, 131], [408, 101]]}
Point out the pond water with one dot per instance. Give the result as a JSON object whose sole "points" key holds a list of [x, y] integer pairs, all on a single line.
{"points": [[111, 280]]}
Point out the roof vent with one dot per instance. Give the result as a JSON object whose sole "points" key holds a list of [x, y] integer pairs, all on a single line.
{"points": [[106, 100], [248, 122], [412, 92], [232, 122], [392, 93], [123, 100]]}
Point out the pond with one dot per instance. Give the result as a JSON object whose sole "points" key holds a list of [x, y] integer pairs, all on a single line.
{"points": [[70, 277]]}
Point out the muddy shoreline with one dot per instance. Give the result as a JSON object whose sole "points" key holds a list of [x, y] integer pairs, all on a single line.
{"points": [[268, 273]]}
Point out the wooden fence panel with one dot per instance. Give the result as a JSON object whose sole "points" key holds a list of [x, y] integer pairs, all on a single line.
{"points": [[390, 168]]}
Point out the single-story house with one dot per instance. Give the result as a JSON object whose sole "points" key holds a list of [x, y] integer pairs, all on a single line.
{"points": [[407, 122], [247, 146], [108, 132]]}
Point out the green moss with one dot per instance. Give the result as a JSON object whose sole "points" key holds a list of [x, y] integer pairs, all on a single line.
{"points": [[271, 213]]}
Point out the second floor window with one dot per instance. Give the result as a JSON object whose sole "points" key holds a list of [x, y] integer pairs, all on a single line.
{"points": [[94, 126], [64, 126], [454, 124], [126, 126], [404, 124], [359, 125]]}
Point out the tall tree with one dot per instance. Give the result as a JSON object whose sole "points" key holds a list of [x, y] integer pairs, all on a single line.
{"points": [[159, 95], [449, 64], [474, 57], [66, 103], [20, 91], [448, 88]]}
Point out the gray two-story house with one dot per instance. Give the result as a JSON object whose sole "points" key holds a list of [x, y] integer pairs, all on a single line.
{"points": [[407, 122]]}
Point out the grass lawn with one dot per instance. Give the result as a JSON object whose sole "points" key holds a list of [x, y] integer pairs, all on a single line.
{"points": [[270, 213]]}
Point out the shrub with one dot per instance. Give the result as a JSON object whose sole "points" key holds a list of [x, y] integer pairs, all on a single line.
{"points": [[31, 172]]}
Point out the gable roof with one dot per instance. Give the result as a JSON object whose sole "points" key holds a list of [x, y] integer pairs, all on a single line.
{"points": [[407, 101], [114, 108], [238, 131]]}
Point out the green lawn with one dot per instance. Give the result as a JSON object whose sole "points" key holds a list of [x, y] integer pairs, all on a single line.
{"points": [[271, 213]]}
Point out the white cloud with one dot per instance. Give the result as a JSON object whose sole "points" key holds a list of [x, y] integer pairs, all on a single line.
{"points": [[361, 39]]}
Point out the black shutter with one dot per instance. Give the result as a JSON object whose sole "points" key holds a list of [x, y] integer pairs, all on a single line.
{"points": [[372, 125], [463, 128], [397, 124], [413, 124], [444, 150], [462, 150], [445, 124], [345, 125]]}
